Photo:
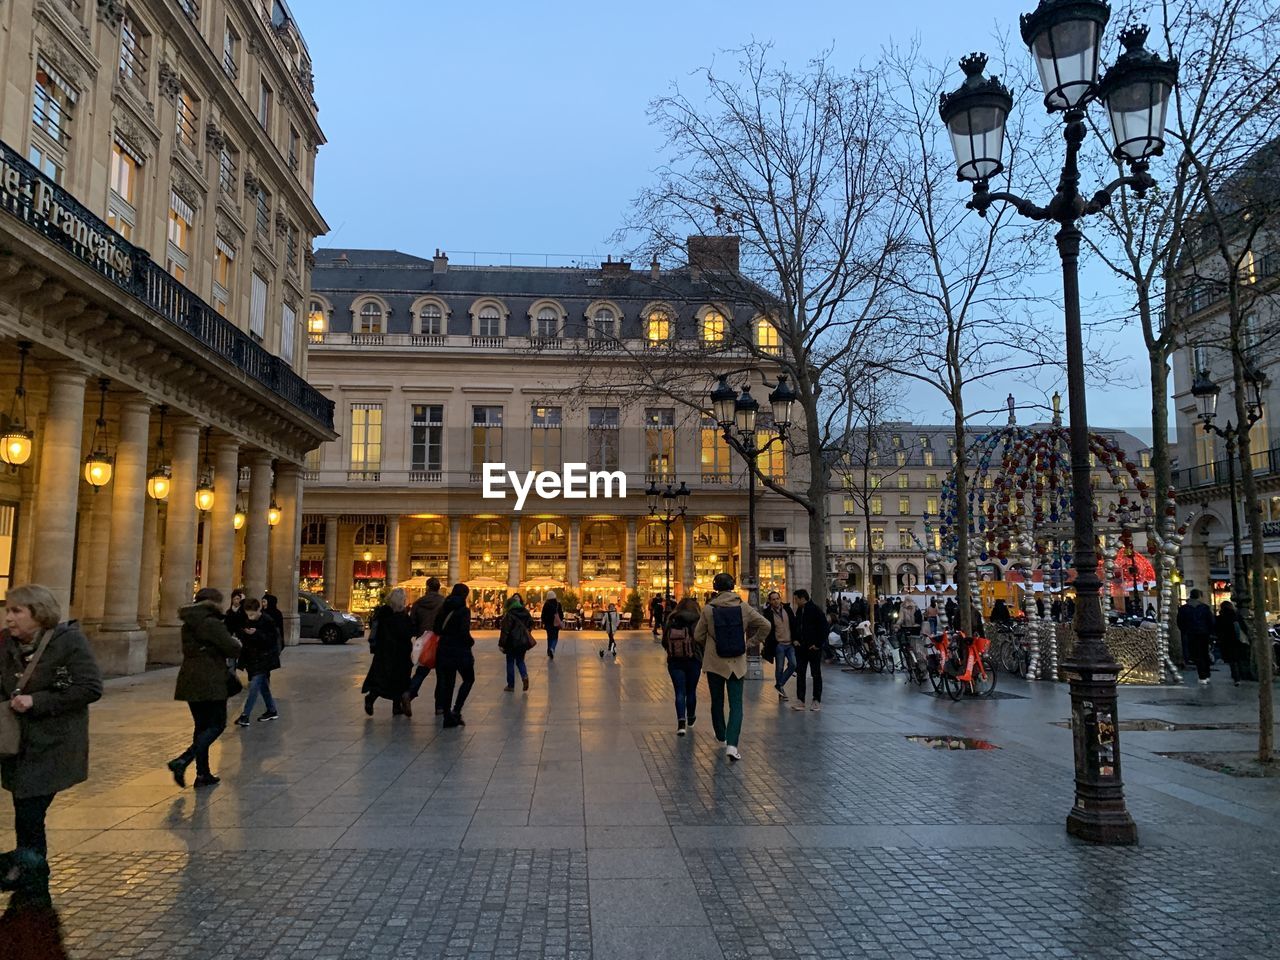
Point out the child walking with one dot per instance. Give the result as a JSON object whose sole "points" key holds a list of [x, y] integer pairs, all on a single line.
{"points": [[259, 655]]}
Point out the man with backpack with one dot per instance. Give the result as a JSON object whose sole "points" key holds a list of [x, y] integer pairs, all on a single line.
{"points": [[725, 628]]}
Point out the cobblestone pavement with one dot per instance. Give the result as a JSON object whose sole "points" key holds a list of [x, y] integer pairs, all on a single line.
{"points": [[569, 821]]}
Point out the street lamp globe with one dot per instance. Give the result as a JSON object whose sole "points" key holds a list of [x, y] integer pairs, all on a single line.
{"points": [[975, 115], [273, 514], [158, 483], [1254, 383], [15, 445], [97, 469], [682, 498], [722, 401], [1206, 393], [204, 494], [652, 493], [781, 400], [1136, 91], [745, 409], [1065, 38], [239, 517]]}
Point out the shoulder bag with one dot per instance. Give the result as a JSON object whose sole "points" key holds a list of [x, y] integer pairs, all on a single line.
{"points": [[10, 726]]}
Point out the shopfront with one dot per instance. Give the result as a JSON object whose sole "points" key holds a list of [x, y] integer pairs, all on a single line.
{"points": [[369, 568], [429, 550]]}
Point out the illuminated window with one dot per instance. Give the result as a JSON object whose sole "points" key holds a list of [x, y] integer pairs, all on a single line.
{"points": [[713, 327], [849, 505], [931, 481], [905, 539], [877, 506], [903, 481], [904, 505], [658, 327], [317, 320], [715, 453], [877, 538], [928, 458], [660, 442], [849, 536], [181, 217], [224, 259], [122, 202], [772, 462], [931, 506], [767, 339], [876, 480], [366, 437], [545, 439]]}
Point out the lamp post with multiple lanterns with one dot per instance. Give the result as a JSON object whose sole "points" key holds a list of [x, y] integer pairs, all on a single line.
{"points": [[674, 506], [1065, 38], [736, 414]]}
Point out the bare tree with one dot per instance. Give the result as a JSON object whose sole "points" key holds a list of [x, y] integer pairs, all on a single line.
{"points": [[968, 320], [793, 165]]}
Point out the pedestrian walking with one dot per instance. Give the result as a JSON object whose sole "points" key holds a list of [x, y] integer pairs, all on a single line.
{"points": [[1232, 641], [552, 621], [1195, 620], [259, 655], [781, 629], [48, 678], [725, 627], [610, 623], [454, 657], [271, 610], [684, 661], [235, 611], [1000, 614], [204, 682], [952, 610], [388, 675], [930, 617], [423, 612], [515, 638], [810, 633]]}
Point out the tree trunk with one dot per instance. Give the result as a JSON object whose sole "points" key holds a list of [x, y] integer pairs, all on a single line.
{"points": [[1161, 481], [963, 596]]}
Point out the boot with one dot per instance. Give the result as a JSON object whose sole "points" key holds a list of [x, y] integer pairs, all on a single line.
{"points": [[525, 680]]}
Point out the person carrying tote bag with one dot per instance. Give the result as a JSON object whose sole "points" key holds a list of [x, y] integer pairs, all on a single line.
{"points": [[48, 678]]}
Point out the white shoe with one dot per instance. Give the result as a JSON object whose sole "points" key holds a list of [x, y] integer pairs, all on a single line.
{"points": [[798, 706], [732, 753], [1204, 682], [816, 706]]}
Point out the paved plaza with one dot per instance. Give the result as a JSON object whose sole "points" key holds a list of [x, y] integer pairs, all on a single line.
{"points": [[569, 821]]}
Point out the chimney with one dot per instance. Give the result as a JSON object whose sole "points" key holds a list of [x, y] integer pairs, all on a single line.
{"points": [[440, 262], [612, 267], [342, 260], [654, 270], [712, 254]]}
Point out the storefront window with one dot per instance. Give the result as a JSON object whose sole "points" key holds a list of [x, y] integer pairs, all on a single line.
{"points": [[773, 575]]}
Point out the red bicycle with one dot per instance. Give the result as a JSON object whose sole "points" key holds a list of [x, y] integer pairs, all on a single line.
{"points": [[970, 668]]}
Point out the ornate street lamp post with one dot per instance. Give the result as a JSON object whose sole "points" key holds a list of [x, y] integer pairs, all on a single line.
{"points": [[674, 506], [736, 415], [1206, 393], [1065, 38]]}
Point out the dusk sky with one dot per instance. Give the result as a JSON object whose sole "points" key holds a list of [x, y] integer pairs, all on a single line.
{"points": [[521, 128]]}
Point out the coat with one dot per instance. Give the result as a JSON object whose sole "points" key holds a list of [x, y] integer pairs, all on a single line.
{"points": [[550, 610], [453, 624], [809, 629], [55, 731], [259, 650], [1195, 619], [1228, 629], [389, 674], [516, 633], [704, 635], [424, 611], [206, 647]]}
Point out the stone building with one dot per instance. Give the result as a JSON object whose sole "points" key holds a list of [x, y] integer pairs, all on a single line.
{"points": [[436, 369], [156, 182]]}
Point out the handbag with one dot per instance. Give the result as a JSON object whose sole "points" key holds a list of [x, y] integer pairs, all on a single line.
{"points": [[234, 686], [425, 649], [10, 725]]}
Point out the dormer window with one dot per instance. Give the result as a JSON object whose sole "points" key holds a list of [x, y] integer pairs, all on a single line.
{"points": [[370, 319], [604, 325], [547, 325], [658, 327], [713, 327], [489, 322]]}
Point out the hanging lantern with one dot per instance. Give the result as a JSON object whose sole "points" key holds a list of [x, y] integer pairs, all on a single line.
{"points": [[98, 464], [15, 442], [204, 489], [273, 514], [160, 479], [238, 520]]}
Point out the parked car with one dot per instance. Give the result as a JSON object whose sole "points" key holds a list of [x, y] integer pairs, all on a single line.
{"points": [[320, 621]]}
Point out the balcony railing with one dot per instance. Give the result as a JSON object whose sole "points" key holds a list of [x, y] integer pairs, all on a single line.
{"points": [[87, 238], [426, 476], [1265, 462], [364, 476]]}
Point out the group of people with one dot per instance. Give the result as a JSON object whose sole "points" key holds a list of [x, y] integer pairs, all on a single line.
{"points": [[1201, 630]]}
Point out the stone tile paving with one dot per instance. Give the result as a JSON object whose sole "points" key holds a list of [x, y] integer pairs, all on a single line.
{"points": [[569, 821]]}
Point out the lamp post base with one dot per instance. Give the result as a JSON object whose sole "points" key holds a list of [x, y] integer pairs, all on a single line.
{"points": [[1099, 814], [1115, 829]]}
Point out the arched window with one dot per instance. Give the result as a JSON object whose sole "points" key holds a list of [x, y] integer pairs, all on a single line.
{"points": [[434, 536], [490, 535], [713, 327], [313, 534], [709, 535], [489, 322], [652, 535], [431, 319], [767, 338], [371, 535], [604, 325], [370, 320], [317, 319], [547, 326], [658, 326], [600, 537], [546, 536]]}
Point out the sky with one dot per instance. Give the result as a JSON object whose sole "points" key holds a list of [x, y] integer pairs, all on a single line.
{"points": [[521, 128]]}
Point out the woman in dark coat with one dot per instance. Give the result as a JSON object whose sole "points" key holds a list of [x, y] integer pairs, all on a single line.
{"points": [[454, 657], [53, 711], [515, 637], [552, 620], [202, 682], [389, 675], [1231, 641]]}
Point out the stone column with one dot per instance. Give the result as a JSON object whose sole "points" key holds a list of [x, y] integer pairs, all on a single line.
{"points": [[686, 550], [629, 557], [58, 470], [220, 528], [514, 558], [393, 550], [286, 546], [150, 557], [121, 646], [455, 551], [331, 560], [256, 529], [178, 570], [94, 595], [575, 552]]}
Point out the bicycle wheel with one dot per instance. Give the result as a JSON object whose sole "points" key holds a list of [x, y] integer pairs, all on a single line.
{"points": [[887, 660], [1022, 663], [984, 679], [954, 686]]}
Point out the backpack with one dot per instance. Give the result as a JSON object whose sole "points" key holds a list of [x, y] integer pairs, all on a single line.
{"points": [[731, 631], [679, 643]]}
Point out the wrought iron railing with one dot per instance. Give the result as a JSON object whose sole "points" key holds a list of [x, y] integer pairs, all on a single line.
{"points": [[1265, 462], [58, 216]]}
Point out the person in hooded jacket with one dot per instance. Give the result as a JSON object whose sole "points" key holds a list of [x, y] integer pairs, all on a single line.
{"points": [[515, 637], [389, 673], [684, 660], [53, 712], [454, 657], [259, 655], [207, 645], [424, 612], [271, 610]]}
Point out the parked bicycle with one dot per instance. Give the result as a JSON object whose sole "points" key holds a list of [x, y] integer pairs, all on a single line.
{"points": [[969, 669], [1011, 649]]}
